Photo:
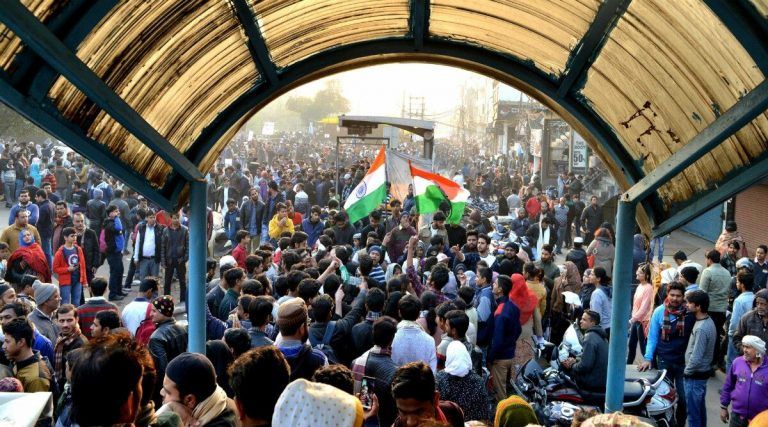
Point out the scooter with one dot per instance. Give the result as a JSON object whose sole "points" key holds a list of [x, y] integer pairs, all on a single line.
{"points": [[556, 397]]}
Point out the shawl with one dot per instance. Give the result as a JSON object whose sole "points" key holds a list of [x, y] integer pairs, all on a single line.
{"points": [[570, 282], [457, 360], [211, 407], [514, 412], [726, 238], [523, 298], [35, 258]]}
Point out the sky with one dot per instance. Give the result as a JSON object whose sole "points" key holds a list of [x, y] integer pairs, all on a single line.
{"points": [[380, 89]]}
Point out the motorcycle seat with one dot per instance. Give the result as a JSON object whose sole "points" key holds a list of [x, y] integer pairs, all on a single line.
{"points": [[652, 375], [633, 390]]}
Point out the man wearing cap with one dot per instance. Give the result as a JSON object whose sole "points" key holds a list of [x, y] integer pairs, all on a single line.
{"points": [[746, 384], [292, 320], [169, 339], [348, 187], [189, 389], [511, 250], [48, 301], [578, 255]]}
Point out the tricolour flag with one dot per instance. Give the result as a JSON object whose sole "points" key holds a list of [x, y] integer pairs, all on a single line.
{"points": [[371, 191], [426, 190]]}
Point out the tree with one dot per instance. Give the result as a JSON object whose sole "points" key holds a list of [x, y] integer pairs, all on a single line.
{"points": [[327, 102], [12, 125]]}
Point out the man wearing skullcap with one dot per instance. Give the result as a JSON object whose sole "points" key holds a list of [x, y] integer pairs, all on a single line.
{"points": [[48, 300], [292, 319], [746, 384], [169, 339], [190, 389]]}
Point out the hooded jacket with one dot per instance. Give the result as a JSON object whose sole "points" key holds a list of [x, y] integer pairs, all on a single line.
{"points": [[591, 372]]}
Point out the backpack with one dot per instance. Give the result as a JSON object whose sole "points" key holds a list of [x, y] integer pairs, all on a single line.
{"points": [[102, 242], [325, 344], [145, 329]]}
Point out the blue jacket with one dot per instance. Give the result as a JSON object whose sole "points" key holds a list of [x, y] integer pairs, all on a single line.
{"points": [[673, 350], [485, 305], [44, 346], [33, 213], [314, 231], [232, 224], [506, 331]]}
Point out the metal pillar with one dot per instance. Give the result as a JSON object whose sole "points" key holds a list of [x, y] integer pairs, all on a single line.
{"points": [[620, 306], [198, 217]]}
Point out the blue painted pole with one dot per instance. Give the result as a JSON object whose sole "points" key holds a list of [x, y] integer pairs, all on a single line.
{"points": [[197, 262], [621, 305]]}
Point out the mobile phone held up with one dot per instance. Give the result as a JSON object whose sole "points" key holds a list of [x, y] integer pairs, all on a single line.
{"points": [[366, 392]]}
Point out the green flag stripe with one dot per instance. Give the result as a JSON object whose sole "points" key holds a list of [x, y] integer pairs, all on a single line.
{"points": [[367, 204], [457, 211], [430, 200]]}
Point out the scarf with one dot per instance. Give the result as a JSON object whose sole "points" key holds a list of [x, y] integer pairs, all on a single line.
{"points": [[543, 239], [666, 326], [210, 408], [63, 341], [408, 324], [35, 258]]}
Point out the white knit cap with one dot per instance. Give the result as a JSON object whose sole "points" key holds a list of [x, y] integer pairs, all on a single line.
{"points": [[754, 342]]}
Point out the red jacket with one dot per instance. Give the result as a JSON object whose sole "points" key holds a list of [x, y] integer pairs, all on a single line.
{"points": [[240, 254], [60, 267]]}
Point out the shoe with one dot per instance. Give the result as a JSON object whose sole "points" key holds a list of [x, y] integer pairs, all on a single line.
{"points": [[123, 294]]}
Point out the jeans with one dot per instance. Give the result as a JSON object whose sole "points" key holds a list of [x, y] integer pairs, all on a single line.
{"points": [[70, 294], [732, 354], [131, 274], [115, 261], [45, 244], [675, 372], [656, 243], [719, 320], [147, 268], [560, 238], [181, 269], [264, 233], [695, 393], [19, 187], [636, 334], [9, 189]]}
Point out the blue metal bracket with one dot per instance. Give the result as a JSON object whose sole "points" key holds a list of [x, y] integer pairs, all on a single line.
{"points": [[256, 43], [732, 184], [738, 116], [419, 22], [748, 28], [588, 48], [38, 38], [74, 136]]}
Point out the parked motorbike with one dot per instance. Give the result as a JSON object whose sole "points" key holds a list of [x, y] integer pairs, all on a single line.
{"points": [[503, 234], [556, 397]]}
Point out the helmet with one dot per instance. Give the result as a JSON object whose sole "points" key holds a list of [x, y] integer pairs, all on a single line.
{"points": [[745, 263]]}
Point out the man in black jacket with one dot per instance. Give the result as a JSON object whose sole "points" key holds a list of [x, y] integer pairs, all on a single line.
{"points": [[591, 219], [270, 209], [323, 309], [591, 371], [578, 255], [147, 252], [89, 242], [168, 340], [45, 223], [174, 253], [251, 218], [362, 333]]}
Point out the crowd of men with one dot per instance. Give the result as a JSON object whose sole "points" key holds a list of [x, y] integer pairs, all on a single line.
{"points": [[312, 320]]}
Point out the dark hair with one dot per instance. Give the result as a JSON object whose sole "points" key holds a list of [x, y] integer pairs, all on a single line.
{"points": [[240, 235], [409, 307], [746, 279], [530, 269], [252, 287], [238, 340], [308, 289], [486, 273], [108, 319], [414, 380], [105, 375], [676, 286], [98, 286], [384, 329], [258, 378], [44, 194], [322, 308], [259, 310], [20, 309], [331, 284], [730, 226], [439, 276], [429, 304], [444, 308], [601, 275], [289, 258], [391, 307], [595, 316], [19, 329], [713, 255], [699, 298], [298, 237], [505, 283], [233, 275], [472, 233], [690, 274], [375, 299], [280, 206], [736, 245], [459, 321], [484, 237], [67, 308], [680, 256], [438, 216], [467, 293], [110, 208], [763, 247], [295, 277], [338, 376]]}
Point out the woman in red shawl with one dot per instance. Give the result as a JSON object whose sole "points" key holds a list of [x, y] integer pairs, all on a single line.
{"points": [[28, 259], [530, 318]]}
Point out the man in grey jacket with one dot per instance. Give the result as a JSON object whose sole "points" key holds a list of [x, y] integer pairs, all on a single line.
{"points": [[698, 358], [715, 280]]}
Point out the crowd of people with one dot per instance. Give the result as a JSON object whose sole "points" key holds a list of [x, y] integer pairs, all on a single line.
{"points": [[312, 320]]}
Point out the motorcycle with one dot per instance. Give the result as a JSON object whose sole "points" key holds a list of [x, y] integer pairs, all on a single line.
{"points": [[503, 234], [556, 397]]}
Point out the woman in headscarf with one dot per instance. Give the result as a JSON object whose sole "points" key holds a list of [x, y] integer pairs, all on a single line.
{"points": [[514, 411], [568, 281], [34, 171], [393, 270], [530, 318], [458, 383], [28, 259], [603, 250]]}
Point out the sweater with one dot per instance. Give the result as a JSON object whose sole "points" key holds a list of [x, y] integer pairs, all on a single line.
{"points": [[86, 313], [701, 349], [716, 282], [745, 389], [601, 303]]}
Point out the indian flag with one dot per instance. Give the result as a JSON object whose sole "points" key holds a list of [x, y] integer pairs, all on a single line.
{"points": [[430, 189], [371, 191]]}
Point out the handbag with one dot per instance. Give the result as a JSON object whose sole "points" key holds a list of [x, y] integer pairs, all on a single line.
{"points": [[591, 258]]}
